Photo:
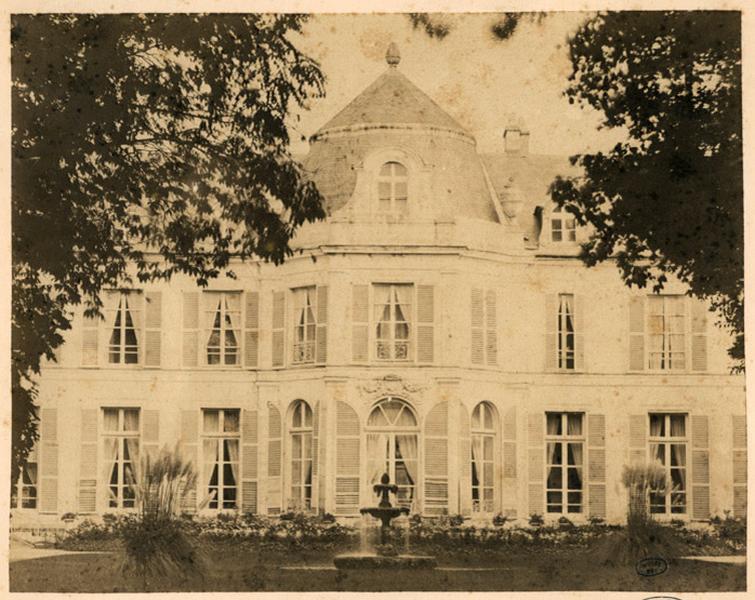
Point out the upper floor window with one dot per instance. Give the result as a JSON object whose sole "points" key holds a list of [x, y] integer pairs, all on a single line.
{"points": [[393, 185], [220, 453], [565, 331], [222, 327], [668, 447], [564, 458], [120, 434], [305, 324], [393, 309], [125, 319], [563, 226], [667, 319], [24, 493]]}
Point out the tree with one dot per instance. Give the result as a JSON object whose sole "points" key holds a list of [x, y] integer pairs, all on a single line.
{"points": [[669, 200], [502, 26], [144, 146]]}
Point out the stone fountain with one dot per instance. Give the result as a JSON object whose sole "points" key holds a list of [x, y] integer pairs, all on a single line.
{"points": [[385, 557]]}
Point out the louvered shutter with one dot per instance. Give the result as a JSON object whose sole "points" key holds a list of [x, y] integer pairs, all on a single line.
{"points": [[360, 317], [699, 345], [637, 333], [88, 461], [425, 324], [510, 482], [251, 329], [551, 332], [465, 463], [279, 324], [596, 465], [491, 328], [48, 467], [90, 341], [189, 450], [579, 333], [436, 460], [249, 442], [700, 468], [321, 337], [477, 327], [190, 329], [739, 446], [152, 328], [536, 462], [151, 432], [316, 456], [274, 483], [638, 426], [347, 460]]}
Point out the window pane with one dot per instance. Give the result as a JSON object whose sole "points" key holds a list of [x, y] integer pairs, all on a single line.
{"points": [[554, 454], [231, 421], [488, 448], [476, 417], [658, 452], [554, 423], [575, 479], [131, 419], [657, 425], [677, 425], [555, 479], [678, 455], [384, 190], [211, 421], [574, 424], [400, 189], [110, 419]]}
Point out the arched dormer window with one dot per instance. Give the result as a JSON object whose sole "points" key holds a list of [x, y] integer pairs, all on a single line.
{"points": [[393, 188], [563, 226]]}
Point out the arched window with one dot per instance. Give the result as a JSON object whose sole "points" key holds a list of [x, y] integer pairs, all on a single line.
{"points": [[563, 226], [484, 430], [300, 435], [393, 447], [393, 182]]}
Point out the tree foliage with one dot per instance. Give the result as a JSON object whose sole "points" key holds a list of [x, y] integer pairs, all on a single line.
{"points": [[669, 200], [144, 146], [502, 26]]}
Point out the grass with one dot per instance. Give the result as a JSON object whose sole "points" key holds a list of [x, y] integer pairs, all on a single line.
{"points": [[236, 568]]}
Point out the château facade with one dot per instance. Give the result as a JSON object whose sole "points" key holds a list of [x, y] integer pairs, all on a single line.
{"points": [[437, 326]]}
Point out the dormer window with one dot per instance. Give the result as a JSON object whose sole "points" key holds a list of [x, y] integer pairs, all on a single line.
{"points": [[563, 226], [393, 182]]}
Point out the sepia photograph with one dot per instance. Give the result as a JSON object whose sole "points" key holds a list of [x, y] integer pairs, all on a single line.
{"points": [[377, 302]]}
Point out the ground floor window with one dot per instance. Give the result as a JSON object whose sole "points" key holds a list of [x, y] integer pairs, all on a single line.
{"points": [[24, 493], [483, 458], [668, 448], [300, 429], [121, 450], [220, 455], [564, 462]]}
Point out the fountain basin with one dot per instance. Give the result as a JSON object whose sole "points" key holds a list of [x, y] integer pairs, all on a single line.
{"points": [[375, 561]]}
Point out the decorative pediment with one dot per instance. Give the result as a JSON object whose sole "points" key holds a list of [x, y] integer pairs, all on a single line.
{"points": [[392, 385]]}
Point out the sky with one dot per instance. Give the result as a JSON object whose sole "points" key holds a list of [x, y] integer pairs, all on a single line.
{"points": [[481, 82]]}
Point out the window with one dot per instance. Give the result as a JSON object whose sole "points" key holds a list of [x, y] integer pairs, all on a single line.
{"points": [[565, 335], [120, 431], [668, 447], [393, 447], [220, 455], [483, 461], [223, 320], [24, 493], [565, 462], [305, 325], [301, 456], [563, 226], [484, 327], [393, 188], [393, 309], [123, 347], [666, 332]]}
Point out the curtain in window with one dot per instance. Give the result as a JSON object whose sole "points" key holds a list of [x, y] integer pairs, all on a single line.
{"points": [[477, 457], [403, 310], [232, 447], [111, 463], [554, 424], [656, 426], [131, 420], [110, 420], [133, 318], [575, 454], [211, 459], [677, 425], [132, 455], [213, 324], [377, 454], [407, 446], [574, 425]]}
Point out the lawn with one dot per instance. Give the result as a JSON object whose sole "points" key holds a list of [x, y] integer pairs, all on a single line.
{"points": [[239, 567]]}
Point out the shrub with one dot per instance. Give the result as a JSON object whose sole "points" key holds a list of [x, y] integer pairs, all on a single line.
{"points": [[500, 520], [730, 530], [536, 520]]}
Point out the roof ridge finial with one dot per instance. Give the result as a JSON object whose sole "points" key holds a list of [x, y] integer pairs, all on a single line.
{"points": [[392, 55]]}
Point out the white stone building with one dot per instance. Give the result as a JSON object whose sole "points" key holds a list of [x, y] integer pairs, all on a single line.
{"points": [[437, 326]]}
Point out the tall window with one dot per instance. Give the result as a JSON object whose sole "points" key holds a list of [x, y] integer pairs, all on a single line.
{"points": [[220, 454], [120, 431], [393, 309], [393, 447], [300, 432], [565, 462], [483, 458], [563, 226], [24, 493], [668, 446], [666, 332], [305, 325], [566, 331], [223, 320], [393, 188], [123, 347]]}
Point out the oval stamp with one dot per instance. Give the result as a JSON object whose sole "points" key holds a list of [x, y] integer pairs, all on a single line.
{"points": [[651, 566]]}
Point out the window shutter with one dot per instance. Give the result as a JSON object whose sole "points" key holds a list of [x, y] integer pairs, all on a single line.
{"points": [[637, 333], [425, 323], [321, 337], [596, 465], [90, 341], [151, 432], [509, 461], [436, 460], [88, 461], [251, 329], [249, 442], [190, 329], [478, 327], [491, 329], [700, 468], [274, 485], [189, 446], [360, 317], [699, 336], [638, 425], [551, 331], [536, 462], [279, 323], [739, 445], [152, 324], [465, 463], [347, 460], [579, 334], [48, 467], [315, 456]]}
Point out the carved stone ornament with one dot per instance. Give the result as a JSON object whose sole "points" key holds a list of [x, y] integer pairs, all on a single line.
{"points": [[391, 385]]}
